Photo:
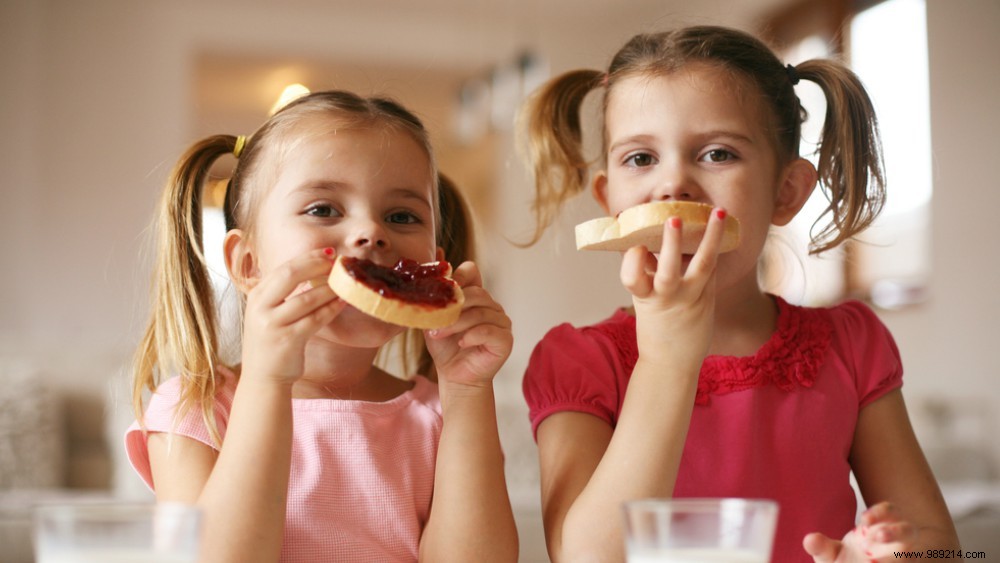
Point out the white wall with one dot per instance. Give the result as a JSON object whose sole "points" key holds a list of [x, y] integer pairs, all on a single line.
{"points": [[949, 344]]}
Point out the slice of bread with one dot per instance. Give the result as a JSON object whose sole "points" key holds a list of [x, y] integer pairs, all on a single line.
{"points": [[643, 225], [411, 295]]}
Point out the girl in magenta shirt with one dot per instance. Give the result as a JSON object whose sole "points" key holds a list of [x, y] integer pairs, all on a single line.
{"points": [[306, 450], [707, 386]]}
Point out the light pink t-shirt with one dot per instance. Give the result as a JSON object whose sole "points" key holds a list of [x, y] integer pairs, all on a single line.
{"points": [[362, 473], [776, 425]]}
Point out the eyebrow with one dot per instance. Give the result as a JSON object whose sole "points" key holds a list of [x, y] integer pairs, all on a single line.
{"points": [[643, 138], [411, 193]]}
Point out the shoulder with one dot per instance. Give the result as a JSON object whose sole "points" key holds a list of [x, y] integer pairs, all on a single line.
{"points": [[425, 395], [867, 349], [855, 315], [856, 327], [611, 338], [583, 369]]}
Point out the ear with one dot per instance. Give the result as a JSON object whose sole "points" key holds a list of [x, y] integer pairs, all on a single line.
{"points": [[600, 190], [240, 261], [797, 184]]}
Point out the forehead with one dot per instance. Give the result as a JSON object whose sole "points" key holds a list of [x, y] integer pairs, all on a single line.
{"points": [[331, 146], [697, 94]]}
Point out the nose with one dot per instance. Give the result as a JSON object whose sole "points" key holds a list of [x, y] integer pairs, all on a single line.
{"points": [[369, 234], [675, 183]]}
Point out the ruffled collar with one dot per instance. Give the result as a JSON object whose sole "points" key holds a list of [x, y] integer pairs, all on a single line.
{"points": [[790, 359]]}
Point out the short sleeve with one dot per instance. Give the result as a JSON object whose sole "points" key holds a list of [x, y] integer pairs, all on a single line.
{"points": [[159, 417], [871, 350], [573, 370]]}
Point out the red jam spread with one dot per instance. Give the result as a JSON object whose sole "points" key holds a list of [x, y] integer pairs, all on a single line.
{"points": [[408, 280]]}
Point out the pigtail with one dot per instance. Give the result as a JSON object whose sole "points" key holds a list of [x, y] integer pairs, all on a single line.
{"points": [[554, 144], [850, 154], [182, 333]]}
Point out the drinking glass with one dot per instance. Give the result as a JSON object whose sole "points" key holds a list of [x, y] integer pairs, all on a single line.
{"points": [[116, 533], [730, 530]]}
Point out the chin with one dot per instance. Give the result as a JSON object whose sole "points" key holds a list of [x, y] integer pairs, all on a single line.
{"points": [[356, 329]]}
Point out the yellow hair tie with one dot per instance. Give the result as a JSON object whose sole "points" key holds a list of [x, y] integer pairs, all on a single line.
{"points": [[241, 142]]}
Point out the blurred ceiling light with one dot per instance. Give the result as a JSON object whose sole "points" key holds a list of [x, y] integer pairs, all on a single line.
{"points": [[288, 95]]}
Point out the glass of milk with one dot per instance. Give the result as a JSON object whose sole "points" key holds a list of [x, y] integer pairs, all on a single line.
{"points": [[690, 530], [117, 532]]}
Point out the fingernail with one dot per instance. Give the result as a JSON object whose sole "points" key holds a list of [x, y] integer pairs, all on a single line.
{"points": [[328, 251], [432, 333], [675, 222], [720, 213]]}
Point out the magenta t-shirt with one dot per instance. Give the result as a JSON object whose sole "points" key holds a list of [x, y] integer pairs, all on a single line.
{"points": [[362, 473], [776, 425]]}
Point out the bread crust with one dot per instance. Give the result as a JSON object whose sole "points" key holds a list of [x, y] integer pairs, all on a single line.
{"points": [[643, 225], [392, 309]]}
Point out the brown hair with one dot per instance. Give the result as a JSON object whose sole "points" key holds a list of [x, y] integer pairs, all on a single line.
{"points": [[182, 335], [850, 161]]}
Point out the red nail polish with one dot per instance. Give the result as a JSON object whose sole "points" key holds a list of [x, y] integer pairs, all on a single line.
{"points": [[720, 213], [328, 251], [675, 222]]}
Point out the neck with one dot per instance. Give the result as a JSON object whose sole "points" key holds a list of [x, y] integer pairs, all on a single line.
{"points": [[340, 372], [745, 318]]}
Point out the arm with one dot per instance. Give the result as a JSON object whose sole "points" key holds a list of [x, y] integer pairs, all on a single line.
{"points": [[471, 517], [588, 470], [908, 512], [242, 489]]}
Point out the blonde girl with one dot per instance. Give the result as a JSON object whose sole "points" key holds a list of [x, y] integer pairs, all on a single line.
{"points": [[306, 450], [707, 386]]}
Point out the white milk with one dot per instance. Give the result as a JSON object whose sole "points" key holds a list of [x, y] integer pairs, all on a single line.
{"points": [[696, 555]]}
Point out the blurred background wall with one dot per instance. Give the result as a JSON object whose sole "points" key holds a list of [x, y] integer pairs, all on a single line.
{"points": [[100, 97]]}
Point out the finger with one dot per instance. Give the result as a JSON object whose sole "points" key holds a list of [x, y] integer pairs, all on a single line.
{"points": [[493, 339], [707, 255], [467, 275], [279, 284], [821, 548], [304, 304], [891, 532], [636, 263], [479, 308], [881, 512], [668, 269]]}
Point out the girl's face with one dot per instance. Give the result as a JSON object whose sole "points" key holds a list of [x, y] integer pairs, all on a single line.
{"points": [[365, 192], [691, 135]]}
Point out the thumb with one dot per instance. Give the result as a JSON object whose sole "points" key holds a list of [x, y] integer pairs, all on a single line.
{"points": [[821, 548]]}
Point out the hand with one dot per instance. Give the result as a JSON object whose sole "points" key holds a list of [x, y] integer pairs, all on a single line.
{"points": [[878, 535], [674, 305], [472, 350], [283, 311]]}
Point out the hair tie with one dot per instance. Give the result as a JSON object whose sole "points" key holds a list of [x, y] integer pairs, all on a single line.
{"points": [[793, 75], [604, 80], [241, 142]]}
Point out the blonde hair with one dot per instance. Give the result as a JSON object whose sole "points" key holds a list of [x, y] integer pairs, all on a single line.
{"points": [[850, 161], [182, 335]]}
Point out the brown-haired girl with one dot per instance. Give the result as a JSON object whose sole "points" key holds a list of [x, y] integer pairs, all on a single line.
{"points": [[707, 386], [306, 450]]}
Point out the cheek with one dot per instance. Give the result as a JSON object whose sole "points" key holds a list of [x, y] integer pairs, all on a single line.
{"points": [[621, 199]]}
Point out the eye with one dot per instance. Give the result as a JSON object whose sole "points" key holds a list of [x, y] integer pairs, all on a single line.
{"points": [[322, 210], [403, 218], [640, 160], [717, 155]]}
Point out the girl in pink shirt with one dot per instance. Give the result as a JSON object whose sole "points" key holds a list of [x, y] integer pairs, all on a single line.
{"points": [[306, 450], [708, 386]]}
